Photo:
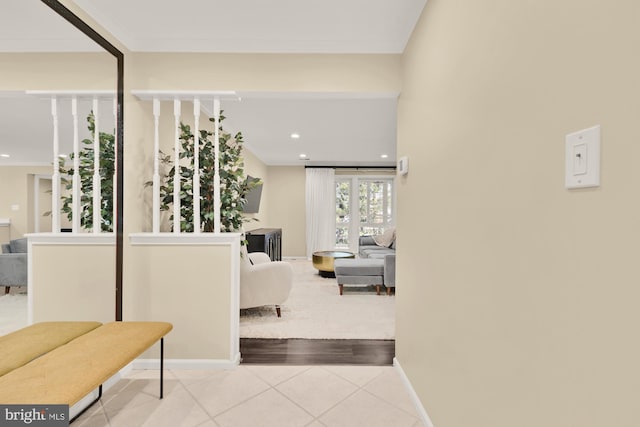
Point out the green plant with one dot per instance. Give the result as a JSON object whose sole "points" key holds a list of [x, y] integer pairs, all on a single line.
{"points": [[86, 169], [233, 183]]}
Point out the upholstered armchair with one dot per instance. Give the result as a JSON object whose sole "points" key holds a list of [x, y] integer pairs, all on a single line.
{"points": [[263, 282], [13, 264]]}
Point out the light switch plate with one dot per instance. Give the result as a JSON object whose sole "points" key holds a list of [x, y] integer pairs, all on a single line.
{"points": [[582, 158]]}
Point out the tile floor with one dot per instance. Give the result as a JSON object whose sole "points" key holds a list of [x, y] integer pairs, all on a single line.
{"points": [[258, 396]]}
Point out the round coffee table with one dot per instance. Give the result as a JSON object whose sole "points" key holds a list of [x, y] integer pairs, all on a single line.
{"points": [[323, 261]]}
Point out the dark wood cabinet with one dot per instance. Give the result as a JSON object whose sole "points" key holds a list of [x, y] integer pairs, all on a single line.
{"points": [[268, 240]]}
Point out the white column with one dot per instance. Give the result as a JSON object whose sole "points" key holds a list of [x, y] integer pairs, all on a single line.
{"points": [[76, 192], [156, 166], [55, 178], [97, 193], [196, 165], [176, 175], [216, 176]]}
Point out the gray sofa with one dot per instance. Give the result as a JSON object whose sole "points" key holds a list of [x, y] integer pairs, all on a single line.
{"points": [[13, 264], [369, 249]]}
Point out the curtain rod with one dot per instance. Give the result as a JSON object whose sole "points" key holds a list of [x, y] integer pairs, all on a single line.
{"points": [[350, 167]]}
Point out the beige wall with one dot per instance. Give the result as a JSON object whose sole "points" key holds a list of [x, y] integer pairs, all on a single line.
{"points": [[265, 72], [286, 195], [188, 286], [517, 299], [57, 71], [15, 186], [72, 282]]}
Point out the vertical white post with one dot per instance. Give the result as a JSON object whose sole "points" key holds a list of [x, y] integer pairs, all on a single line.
{"points": [[156, 166], [97, 192], [176, 175], [55, 178], [76, 192], [196, 165], [216, 176], [114, 186]]}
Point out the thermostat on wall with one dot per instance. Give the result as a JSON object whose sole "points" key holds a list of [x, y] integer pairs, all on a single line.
{"points": [[403, 165]]}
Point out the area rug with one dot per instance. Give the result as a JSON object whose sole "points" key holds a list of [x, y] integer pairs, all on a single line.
{"points": [[316, 310], [13, 312]]}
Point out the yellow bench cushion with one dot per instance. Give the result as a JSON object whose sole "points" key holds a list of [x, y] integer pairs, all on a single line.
{"points": [[70, 372], [21, 347]]}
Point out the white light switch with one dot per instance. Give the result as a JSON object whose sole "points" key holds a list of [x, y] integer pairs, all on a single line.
{"points": [[582, 158]]}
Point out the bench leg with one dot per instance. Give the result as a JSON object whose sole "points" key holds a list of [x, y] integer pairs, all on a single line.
{"points": [[388, 291], [340, 289], [6, 289], [161, 366], [278, 311], [377, 289], [88, 406]]}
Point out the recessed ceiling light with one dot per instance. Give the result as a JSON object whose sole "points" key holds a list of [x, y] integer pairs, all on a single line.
{"points": [[384, 156], [303, 156], [6, 156], [295, 135], [62, 156]]}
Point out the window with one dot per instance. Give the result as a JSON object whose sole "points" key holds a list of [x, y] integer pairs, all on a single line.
{"points": [[368, 210], [343, 212], [375, 205]]}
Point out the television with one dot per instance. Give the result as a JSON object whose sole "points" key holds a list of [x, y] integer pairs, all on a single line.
{"points": [[253, 196]]}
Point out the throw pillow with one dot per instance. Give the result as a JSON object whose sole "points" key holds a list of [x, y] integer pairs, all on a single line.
{"points": [[385, 239]]}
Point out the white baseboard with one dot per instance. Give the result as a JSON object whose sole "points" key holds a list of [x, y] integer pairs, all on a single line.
{"points": [[188, 363], [413, 395]]}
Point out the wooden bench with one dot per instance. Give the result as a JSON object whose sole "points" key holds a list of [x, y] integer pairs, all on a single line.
{"points": [[77, 359]]}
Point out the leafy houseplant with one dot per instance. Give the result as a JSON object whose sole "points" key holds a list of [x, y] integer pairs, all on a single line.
{"points": [[107, 169], [233, 183]]}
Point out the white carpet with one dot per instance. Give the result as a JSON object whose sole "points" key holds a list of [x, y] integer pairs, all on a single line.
{"points": [[13, 311], [315, 309]]}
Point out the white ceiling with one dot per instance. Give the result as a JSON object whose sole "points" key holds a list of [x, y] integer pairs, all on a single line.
{"points": [[31, 26], [334, 128], [296, 26]]}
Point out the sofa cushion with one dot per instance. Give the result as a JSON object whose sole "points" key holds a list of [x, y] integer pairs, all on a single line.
{"points": [[359, 267], [6, 248], [375, 252], [367, 241], [19, 245]]}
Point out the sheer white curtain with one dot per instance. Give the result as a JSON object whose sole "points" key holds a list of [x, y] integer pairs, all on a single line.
{"points": [[321, 210]]}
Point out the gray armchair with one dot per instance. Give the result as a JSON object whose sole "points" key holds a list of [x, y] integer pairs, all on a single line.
{"points": [[13, 264]]}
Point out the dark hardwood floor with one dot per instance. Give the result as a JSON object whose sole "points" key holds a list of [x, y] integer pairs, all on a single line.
{"points": [[317, 352]]}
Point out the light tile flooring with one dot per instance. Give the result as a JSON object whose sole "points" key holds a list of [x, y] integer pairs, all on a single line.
{"points": [[258, 396]]}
